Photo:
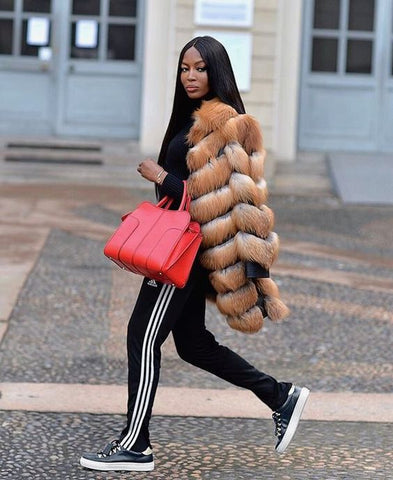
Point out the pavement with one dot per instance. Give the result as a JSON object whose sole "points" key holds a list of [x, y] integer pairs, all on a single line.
{"points": [[64, 310], [351, 174]]}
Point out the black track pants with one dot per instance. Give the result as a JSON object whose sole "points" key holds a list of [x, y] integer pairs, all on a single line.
{"points": [[160, 309]]}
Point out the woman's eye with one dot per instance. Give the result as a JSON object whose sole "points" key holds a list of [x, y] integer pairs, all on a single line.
{"points": [[184, 69], [202, 69]]}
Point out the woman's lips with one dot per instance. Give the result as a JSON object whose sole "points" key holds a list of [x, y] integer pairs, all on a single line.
{"points": [[191, 88]]}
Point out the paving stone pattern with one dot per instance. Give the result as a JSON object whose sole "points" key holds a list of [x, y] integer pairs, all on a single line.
{"points": [[57, 328], [336, 338], [333, 264], [326, 221], [48, 446]]}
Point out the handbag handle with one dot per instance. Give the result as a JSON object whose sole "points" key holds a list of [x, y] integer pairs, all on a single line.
{"points": [[185, 201], [166, 202]]}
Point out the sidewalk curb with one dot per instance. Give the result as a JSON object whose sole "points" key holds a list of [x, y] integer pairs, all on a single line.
{"points": [[195, 402]]}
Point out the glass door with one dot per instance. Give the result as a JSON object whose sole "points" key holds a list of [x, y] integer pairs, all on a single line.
{"points": [[343, 37], [25, 30], [26, 66], [71, 67], [102, 68], [344, 82]]}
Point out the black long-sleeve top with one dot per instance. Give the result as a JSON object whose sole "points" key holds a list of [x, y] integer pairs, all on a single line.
{"points": [[176, 166]]}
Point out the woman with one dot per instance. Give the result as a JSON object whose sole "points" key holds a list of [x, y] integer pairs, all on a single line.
{"points": [[217, 148]]}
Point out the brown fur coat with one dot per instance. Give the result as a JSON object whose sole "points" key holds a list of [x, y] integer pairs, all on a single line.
{"points": [[228, 192]]}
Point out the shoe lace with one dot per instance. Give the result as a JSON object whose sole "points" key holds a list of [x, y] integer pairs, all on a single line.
{"points": [[112, 447], [277, 420]]}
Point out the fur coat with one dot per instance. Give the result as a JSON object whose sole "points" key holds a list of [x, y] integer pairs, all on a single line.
{"points": [[228, 191]]}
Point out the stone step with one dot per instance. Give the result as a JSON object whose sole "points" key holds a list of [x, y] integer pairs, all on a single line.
{"points": [[43, 155]]}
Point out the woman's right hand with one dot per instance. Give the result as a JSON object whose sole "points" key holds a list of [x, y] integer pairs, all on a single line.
{"points": [[150, 170]]}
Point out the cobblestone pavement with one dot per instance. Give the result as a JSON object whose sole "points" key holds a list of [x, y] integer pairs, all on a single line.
{"points": [[336, 338], [197, 448], [68, 326]]}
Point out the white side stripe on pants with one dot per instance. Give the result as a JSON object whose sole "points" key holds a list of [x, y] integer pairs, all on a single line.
{"points": [[147, 365]]}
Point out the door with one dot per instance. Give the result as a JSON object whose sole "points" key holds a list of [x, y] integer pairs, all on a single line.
{"points": [[70, 67], [346, 98], [27, 84], [100, 68]]}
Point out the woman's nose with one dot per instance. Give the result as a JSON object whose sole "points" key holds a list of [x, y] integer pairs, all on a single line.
{"points": [[191, 74]]}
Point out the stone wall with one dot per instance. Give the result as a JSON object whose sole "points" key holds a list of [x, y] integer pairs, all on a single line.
{"points": [[260, 100]]}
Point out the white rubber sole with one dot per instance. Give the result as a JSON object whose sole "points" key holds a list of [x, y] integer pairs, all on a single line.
{"points": [[294, 422], [123, 466]]}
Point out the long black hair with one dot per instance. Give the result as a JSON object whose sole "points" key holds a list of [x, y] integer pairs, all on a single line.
{"points": [[222, 84]]}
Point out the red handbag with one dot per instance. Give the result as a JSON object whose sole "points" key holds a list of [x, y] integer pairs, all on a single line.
{"points": [[156, 242]]}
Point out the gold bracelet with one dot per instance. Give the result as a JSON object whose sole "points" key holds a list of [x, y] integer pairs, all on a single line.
{"points": [[159, 176]]}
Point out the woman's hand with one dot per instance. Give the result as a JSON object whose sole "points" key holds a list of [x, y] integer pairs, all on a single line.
{"points": [[150, 170]]}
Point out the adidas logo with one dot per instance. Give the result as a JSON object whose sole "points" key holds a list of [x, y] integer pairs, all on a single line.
{"points": [[152, 283]]}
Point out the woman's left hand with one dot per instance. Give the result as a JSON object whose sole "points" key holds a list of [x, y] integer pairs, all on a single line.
{"points": [[149, 169]]}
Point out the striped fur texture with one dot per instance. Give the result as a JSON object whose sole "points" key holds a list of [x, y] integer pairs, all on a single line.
{"points": [[228, 191]]}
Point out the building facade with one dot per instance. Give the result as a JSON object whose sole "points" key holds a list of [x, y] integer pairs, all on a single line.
{"points": [[317, 74]]}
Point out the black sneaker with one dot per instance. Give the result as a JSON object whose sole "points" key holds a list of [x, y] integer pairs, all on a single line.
{"points": [[287, 417], [115, 457]]}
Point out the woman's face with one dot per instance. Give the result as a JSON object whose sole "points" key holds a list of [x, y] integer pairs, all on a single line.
{"points": [[193, 74]]}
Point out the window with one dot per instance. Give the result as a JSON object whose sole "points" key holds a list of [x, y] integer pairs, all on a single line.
{"points": [[6, 32], [122, 8], [359, 56], [7, 5], [324, 54], [87, 50], [343, 36], [327, 14], [29, 49], [121, 42], [86, 7], [117, 30], [361, 15]]}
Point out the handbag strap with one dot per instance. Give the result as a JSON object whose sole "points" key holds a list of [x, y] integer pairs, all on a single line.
{"points": [[185, 201], [166, 202]]}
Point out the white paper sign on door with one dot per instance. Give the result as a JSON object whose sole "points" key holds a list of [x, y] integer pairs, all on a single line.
{"points": [[37, 31], [45, 54], [228, 13], [86, 34]]}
